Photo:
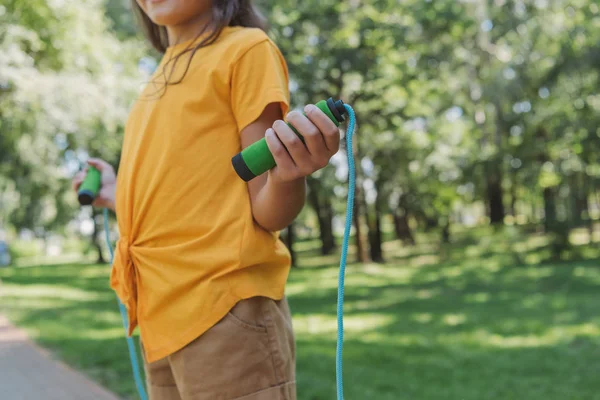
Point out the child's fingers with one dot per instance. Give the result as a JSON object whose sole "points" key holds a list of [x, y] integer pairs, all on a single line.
{"points": [[99, 164], [77, 180], [280, 154], [106, 170], [297, 150], [328, 129], [312, 135]]}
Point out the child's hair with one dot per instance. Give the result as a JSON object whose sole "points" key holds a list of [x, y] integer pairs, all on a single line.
{"points": [[224, 13]]}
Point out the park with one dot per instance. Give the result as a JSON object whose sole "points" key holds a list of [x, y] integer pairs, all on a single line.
{"points": [[473, 265]]}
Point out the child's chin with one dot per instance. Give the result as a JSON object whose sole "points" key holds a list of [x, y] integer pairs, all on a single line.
{"points": [[162, 14], [163, 19]]}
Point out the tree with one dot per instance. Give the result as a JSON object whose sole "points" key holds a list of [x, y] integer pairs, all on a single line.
{"points": [[58, 103]]}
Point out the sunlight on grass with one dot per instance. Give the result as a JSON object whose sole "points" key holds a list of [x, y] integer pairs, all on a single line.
{"points": [[552, 336], [323, 324], [378, 274], [537, 241], [423, 318], [425, 259], [295, 288], [591, 275], [100, 334], [34, 261], [538, 272], [454, 319], [532, 301], [35, 303], [450, 272], [473, 251], [49, 331], [306, 245], [49, 292], [392, 341], [385, 300], [356, 277], [480, 297], [582, 236], [395, 250], [427, 293], [101, 271], [319, 261]]}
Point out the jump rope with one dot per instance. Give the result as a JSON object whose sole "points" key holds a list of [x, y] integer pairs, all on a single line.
{"points": [[251, 162]]}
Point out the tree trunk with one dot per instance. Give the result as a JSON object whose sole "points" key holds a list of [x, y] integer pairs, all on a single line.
{"points": [[590, 221], [588, 191], [361, 251], [596, 192], [549, 209], [494, 198], [402, 227], [579, 200], [558, 232], [534, 209], [513, 197], [359, 206], [446, 232], [289, 242], [324, 210], [375, 237], [96, 238], [430, 222], [328, 244]]}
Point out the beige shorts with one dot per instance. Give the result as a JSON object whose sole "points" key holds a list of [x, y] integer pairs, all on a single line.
{"points": [[249, 355]]}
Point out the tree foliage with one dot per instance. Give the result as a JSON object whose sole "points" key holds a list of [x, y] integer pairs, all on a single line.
{"points": [[65, 89], [462, 106]]}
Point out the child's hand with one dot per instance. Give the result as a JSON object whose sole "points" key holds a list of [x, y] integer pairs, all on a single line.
{"points": [[322, 141], [108, 182]]}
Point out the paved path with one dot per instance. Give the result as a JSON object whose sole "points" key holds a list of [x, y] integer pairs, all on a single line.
{"points": [[29, 373]]}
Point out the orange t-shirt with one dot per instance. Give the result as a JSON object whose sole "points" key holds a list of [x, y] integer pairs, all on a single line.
{"points": [[189, 247]]}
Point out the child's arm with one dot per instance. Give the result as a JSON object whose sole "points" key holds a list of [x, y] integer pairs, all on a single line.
{"points": [[278, 196]]}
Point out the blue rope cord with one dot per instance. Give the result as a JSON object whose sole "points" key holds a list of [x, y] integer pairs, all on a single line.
{"points": [[349, 209], [130, 344]]}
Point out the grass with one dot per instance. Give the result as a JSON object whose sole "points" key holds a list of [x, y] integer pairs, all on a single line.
{"points": [[484, 318]]}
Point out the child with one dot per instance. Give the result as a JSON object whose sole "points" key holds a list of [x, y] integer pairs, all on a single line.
{"points": [[199, 264]]}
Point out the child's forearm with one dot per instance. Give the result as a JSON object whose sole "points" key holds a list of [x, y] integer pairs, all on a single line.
{"points": [[277, 197], [278, 203]]}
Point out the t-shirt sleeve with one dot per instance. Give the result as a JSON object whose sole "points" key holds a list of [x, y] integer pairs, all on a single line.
{"points": [[259, 77]]}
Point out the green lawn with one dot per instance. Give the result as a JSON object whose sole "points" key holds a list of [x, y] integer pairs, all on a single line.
{"points": [[485, 318]]}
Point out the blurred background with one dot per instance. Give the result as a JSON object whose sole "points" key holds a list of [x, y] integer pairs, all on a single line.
{"points": [[475, 268]]}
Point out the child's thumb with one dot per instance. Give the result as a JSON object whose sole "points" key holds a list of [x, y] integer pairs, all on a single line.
{"points": [[96, 163]]}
